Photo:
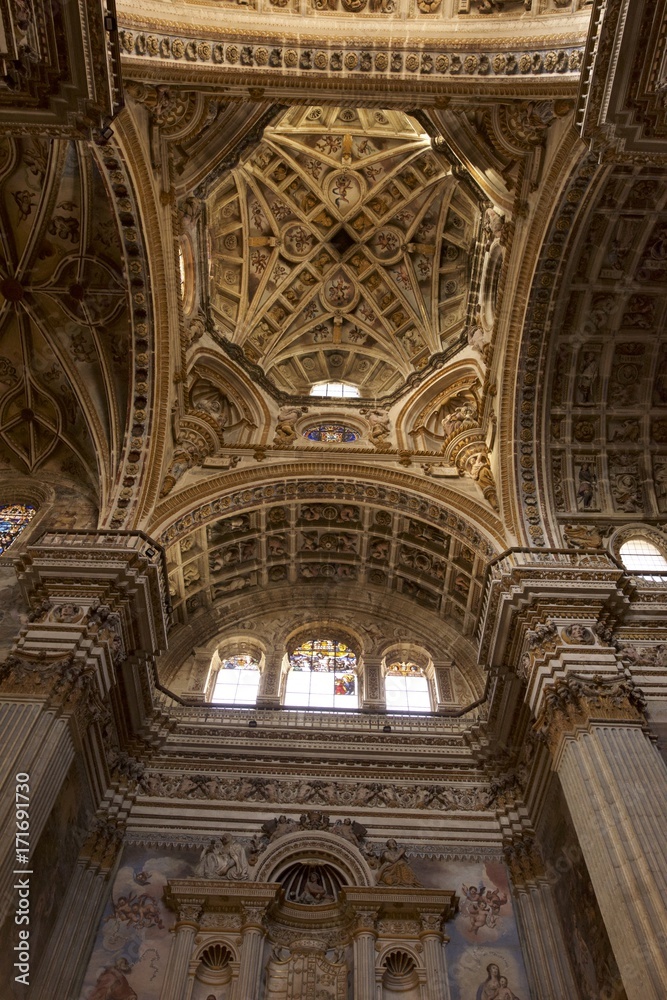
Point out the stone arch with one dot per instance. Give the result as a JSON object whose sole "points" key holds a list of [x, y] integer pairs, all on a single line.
{"points": [[317, 846]]}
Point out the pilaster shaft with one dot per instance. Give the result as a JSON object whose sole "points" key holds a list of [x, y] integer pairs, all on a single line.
{"points": [[372, 696], [176, 975], [434, 957], [615, 784], [250, 968], [364, 954]]}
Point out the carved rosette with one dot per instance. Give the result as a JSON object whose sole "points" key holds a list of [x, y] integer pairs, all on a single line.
{"points": [[575, 702]]}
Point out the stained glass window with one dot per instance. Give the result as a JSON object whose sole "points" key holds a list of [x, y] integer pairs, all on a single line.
{"points": [[323, 674], [406, 688], [237, 681], [331, 433], [340, 390], [13, 519]]}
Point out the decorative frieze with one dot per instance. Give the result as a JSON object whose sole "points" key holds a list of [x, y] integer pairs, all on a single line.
{"points": [[236, 58]]}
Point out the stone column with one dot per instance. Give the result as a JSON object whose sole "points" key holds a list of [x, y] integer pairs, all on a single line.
{"points": [[252, 946], [95, 597], [64, 959], [176, 973], [372, 697], [432, 938], [548, 968], [615, 785], [268, 695], [364, 954]]}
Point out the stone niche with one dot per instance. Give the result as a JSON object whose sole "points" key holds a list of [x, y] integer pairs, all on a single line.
{"points": [[321, 921]]}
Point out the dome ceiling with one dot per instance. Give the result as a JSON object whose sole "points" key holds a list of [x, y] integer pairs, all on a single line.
{"points": [[342, 248]]}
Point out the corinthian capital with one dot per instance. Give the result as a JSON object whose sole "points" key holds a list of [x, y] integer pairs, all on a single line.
{"points": [[574, 702]]}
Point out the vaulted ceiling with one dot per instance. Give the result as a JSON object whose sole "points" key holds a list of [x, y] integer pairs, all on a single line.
{"points": [[64, 357], [342, 248]]}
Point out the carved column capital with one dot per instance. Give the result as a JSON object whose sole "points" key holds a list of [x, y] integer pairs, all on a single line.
{"points": [[189, 914], [253, 917], [365, 921], [524, 861], [573, 703], [58, 681], [103, 844], [431, 923]]}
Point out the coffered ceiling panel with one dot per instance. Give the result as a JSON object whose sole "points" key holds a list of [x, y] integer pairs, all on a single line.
{"points": [[342, 248]]}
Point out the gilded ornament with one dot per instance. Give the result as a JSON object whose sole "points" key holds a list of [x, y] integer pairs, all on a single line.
{"points": [[178, 48]]}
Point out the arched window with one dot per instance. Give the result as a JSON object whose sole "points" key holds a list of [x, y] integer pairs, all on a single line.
{"points": [[331, 433], [14, 518], [181, 271], [406, 688], [643, 558], [237, 681], [339, 390], [322, 674]]}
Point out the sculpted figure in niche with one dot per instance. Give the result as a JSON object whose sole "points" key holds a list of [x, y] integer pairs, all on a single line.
{"points": [[587, 486], [461, 418], [587, 376], [394, 869], [313, 891], [207, 398]]}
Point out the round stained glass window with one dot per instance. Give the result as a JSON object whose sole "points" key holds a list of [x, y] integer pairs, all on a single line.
{"points": [[331, 434]]}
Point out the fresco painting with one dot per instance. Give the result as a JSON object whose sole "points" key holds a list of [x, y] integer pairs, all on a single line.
{"points": [[132, 945]]}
